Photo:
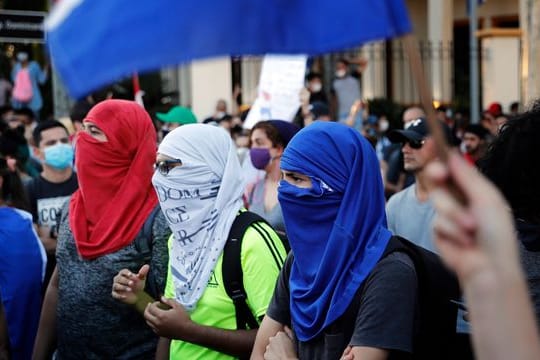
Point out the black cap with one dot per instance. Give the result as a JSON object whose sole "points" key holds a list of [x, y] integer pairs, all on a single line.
{"points": [[417, 131]]}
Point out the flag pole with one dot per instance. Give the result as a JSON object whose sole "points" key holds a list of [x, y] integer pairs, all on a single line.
{"points": [[436, 131], [413, 52], [137, 91]]}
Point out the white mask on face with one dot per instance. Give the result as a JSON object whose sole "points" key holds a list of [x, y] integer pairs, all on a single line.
{"points": [[316, 87], [341, 73], [383, 125]]}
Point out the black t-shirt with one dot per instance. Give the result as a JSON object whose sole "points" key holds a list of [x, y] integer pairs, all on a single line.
{"points": [[387, 316], [46, 201], [46, 198]]}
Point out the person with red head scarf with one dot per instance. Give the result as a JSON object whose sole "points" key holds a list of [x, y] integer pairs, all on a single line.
{"points": [[99, 234]]}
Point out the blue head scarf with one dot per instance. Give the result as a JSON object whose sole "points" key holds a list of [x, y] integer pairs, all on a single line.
{"points": [[337, 229]]}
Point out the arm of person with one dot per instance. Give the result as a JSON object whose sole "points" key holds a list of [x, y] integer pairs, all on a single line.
{"points": [[355, 108], [365, 353], [46, 237], [41, 74], [4, 338], [476, 238], [175, 323], [163, 347], [278, 313], [281, 346], [46, 334], [269, 328], [304, 106]]}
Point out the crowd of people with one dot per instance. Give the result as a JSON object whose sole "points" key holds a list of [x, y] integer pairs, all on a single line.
{"points": [[128, 237]]}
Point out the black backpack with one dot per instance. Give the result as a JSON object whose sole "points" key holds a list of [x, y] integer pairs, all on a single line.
{"points": [[232, 267], [437, 288], [143, 244], [233, 277]]}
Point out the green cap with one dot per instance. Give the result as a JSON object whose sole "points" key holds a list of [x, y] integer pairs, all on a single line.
{"points": [[178, 114]]}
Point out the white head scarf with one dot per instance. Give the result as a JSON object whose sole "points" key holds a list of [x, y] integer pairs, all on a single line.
{"points": [[200, 200]]}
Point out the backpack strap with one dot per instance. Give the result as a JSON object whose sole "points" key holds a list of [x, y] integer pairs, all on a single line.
{"points": [[143, 244], [233, 276]]}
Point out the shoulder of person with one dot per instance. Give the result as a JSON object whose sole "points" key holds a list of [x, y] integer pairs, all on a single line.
{"points": [[259, 233], [398, 197]]}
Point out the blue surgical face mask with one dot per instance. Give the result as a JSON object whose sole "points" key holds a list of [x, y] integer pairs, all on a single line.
{"points": [[59, 156]]}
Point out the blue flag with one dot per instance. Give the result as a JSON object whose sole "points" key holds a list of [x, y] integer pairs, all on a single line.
{"points": [[95, 42]]}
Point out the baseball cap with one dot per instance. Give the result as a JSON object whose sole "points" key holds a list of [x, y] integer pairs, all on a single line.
{"points": [[417, 131], [494, 109], [178, 114]]}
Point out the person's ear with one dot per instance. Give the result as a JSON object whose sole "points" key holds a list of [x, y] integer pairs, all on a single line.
{"points": [[38, 153], [279, 150]]}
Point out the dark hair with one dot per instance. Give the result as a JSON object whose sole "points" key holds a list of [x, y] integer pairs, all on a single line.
{"points": [[511, 163], [313, 75], [25, 112], [343, 61], [271, 132], [10, 141], [46, 125], [80, 110], [514, 106], [4, 109], [12, 191]]}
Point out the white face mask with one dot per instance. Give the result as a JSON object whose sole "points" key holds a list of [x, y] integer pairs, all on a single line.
{"points": [[191, 213], [316, 87], [383, 125], [341, 73]]}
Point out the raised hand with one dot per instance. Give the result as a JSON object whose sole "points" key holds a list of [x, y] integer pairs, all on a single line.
{"points": [[128, 286], [478, 234]]}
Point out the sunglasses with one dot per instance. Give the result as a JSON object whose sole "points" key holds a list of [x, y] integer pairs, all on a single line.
{"points": [[414, 144], [164, 166]]}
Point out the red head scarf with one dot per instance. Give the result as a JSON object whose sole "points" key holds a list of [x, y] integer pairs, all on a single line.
{"points": [[115, 193]]}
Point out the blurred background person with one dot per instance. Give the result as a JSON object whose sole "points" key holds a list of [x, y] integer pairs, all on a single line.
{"points": [[314, 85], [474, 143], [219, 113], [48, 192], [5, 90], [268, 140], [175, 117], [27, 76]]}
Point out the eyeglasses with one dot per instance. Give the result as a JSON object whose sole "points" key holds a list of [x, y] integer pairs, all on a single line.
{"points": [[414, 144], [164, 166]]}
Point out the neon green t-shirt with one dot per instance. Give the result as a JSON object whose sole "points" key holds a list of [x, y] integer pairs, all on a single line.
{"points": [[215, 308]]}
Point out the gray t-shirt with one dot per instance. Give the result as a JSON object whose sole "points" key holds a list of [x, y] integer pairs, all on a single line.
{"points": [[347, 90], [90, 323], [386, 318], [411, 219]]}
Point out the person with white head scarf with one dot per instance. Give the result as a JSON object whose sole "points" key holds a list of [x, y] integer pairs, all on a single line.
{"points": [[200, 189]]}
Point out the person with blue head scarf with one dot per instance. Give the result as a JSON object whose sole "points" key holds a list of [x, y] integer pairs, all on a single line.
{"points": [[332, 200]]}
